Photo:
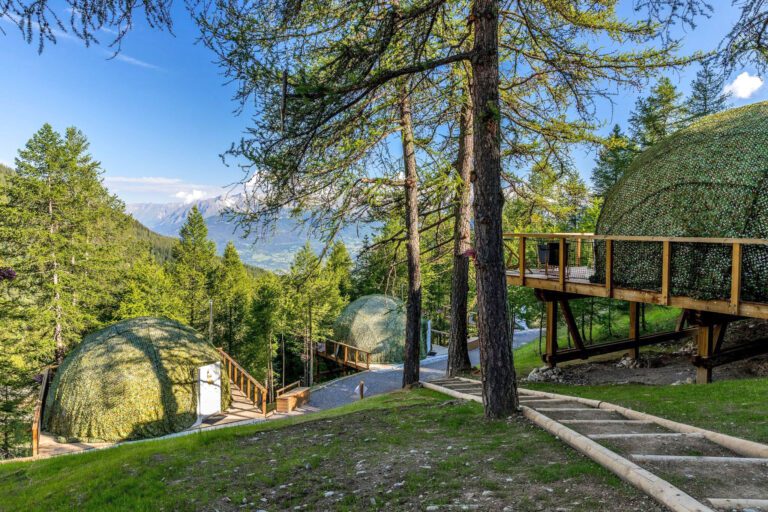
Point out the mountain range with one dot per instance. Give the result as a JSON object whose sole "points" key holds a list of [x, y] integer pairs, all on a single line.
{"points": [[272, 252]]}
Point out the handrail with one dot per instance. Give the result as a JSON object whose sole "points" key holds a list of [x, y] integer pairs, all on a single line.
{"points": [[561, 280], [252, 389], [345, 360], [639, 238], [37, 417], [287, 388]]}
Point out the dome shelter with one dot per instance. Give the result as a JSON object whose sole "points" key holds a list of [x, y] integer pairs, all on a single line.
{"points": [[134, 379], [376, 324], [708, 180]]}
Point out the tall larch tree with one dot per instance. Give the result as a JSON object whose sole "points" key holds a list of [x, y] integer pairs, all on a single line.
{"points": [[150, 291]]}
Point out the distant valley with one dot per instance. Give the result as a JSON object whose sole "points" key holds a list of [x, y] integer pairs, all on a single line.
{"points": [[272, 252]]}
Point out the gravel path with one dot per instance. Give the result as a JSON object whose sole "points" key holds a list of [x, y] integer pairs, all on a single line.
{"points": [[385, 379]]}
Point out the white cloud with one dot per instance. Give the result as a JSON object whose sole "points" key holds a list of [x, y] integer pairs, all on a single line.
{"points": [[744, 86], [191, 196], [134, 61], [159, 189]]}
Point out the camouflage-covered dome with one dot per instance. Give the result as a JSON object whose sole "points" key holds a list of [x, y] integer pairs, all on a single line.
{"points": [[709, 179], [131, 380], [374, 323]]}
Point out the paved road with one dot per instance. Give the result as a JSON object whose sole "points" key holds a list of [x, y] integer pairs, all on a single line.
{"points": [[385, 379]]}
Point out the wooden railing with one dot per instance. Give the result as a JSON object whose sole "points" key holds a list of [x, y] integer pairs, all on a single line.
{"points": [[344, 354], [572, 263], [37, 417], [441, 338], [289, 387], [253, 390]]}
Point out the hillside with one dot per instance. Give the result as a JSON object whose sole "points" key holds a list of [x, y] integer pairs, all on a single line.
{"points": [[272, 252], [401, 451]]}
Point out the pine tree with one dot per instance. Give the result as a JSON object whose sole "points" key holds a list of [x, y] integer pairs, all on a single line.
{"points": [[62, 234], [339, 265], [658, 115], [707, 96], [230, 303], [149, 291], [264, 322], [193, 269], [612, 160]]}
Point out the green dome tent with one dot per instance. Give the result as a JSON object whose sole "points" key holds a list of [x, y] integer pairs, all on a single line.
{"points": [[376, 324], [134, 379], [709, 179]]}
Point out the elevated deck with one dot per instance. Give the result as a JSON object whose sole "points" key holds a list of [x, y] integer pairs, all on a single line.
{"points": [[713, 280]]}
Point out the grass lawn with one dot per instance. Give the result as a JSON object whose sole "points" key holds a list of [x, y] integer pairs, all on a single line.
{"points": [[736, 407], [399, 451]]}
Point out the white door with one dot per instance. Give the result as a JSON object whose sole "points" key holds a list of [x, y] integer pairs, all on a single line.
{"points": [[209, 386]]}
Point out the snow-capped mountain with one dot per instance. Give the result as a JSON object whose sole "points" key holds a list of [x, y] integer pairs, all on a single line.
{"points": [[273, 252]]}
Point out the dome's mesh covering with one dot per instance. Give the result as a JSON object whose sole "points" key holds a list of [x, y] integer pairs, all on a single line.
{"points": [[134, 379], [707, 180], [374, 323]]}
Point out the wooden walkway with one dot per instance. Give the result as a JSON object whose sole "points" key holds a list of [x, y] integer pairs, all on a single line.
{"points": [[563, 267], [711, 471]]}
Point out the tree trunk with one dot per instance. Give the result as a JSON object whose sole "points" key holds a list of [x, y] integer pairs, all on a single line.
{"points": [[413, 304], [458, 355], [498, 372]]}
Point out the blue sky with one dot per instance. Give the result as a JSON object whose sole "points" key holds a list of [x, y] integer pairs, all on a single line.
{"points": [[159, 115]]}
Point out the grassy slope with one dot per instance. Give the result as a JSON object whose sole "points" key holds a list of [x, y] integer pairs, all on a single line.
{"points": [[401, 451]]}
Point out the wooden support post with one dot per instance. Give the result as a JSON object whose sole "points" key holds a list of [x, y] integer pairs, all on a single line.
{"points": [[634, 328], [551, 341], [609, 267], [705, 342], [570, 322], [666, 265], [735, 279], [578, 252], [563, 261], [521, 260]]}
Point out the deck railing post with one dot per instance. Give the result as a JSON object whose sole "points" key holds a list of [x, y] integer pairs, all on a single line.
{"points": [[666, 267], [521, 260], [735, 278], [562, 262], [609, 267]]}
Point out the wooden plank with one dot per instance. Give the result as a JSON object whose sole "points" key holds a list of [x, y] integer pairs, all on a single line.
{"points": [[619, 346], [737, 353], [634, 328], [562, 262], [704, 343], [521, 260], [694, 458], [666, 271], [570, 322], [609, 267], [735, 278], [636, 238], [551, 342]]}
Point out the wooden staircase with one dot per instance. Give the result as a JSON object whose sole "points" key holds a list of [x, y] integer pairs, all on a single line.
{"points": [[251, 389]]}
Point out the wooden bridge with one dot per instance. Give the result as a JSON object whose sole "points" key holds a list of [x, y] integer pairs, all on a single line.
{"points": [[561, 267], [344, 355]]}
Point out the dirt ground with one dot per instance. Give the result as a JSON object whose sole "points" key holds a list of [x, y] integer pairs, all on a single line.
{"points": [[671, 363]]}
